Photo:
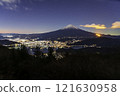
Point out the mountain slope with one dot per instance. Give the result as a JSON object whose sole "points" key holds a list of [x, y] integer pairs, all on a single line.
{"points": [[69, 31]]}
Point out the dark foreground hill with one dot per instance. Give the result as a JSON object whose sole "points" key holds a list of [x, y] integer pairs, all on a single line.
{"points": [[17, 64], [6, 42], [103, 42]]}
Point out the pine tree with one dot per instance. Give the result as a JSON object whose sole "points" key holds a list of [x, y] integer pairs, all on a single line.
{"points": [[38, 52]]}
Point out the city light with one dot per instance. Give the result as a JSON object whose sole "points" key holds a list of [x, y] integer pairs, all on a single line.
{"points": [[98, 35]]}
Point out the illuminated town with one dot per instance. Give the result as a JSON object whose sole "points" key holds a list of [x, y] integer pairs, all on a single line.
{"points": [[45, 44]]}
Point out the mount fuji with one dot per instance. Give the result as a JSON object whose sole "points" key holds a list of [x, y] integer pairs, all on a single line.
{"points": [[70, 31]]}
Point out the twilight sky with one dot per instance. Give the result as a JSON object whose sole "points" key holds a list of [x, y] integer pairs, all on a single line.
{"points": [[36, 16]]}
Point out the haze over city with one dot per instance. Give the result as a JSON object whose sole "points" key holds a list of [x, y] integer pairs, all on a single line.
{"points": [[40, 16]]}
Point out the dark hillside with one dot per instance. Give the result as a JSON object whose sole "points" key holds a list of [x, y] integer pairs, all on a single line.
{"points": [[103, 41], [17, 64]]}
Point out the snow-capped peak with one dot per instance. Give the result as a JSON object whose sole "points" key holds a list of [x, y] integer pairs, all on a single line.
{"points": [[70, 26]]}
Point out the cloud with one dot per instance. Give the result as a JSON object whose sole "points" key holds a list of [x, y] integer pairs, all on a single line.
{"points": [[10, 4], [27, 9], [96, 26], [15, 4], [116, 25], [1, 4], [8, 1]]}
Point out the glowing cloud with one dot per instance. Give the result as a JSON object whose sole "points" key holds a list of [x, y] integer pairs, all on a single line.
{"points": [[98, 26], [116, 25]]}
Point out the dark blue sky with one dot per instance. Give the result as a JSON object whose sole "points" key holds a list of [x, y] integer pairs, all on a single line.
{"points": [[36, 16]]}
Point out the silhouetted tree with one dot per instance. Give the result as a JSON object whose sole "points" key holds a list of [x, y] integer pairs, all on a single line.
{"points": [[24, 52], [84, 64], [38, 52], [50, 53]]}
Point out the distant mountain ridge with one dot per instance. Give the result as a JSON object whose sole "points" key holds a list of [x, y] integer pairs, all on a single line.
{"points": [[6, 42]]}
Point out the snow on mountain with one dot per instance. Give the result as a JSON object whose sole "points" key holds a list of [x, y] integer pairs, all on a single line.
{"points": [[70, 26]]}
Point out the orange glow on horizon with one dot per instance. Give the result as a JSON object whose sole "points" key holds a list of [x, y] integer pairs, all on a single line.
{"points": [[98, 35], [6, 31]]}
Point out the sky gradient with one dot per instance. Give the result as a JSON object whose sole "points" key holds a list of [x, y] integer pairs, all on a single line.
{"points": [[37, 16]]}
